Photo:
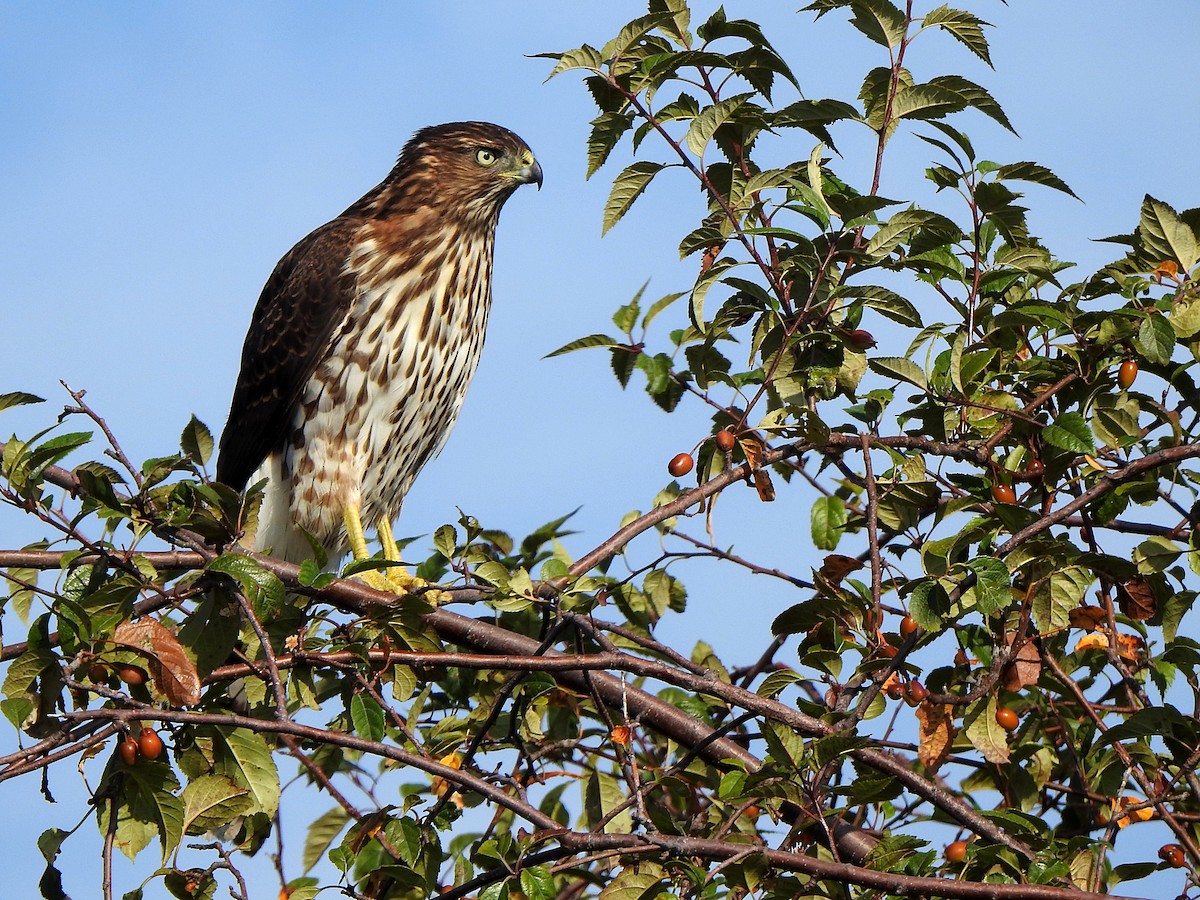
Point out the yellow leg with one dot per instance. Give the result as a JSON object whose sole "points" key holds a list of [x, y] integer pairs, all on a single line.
{"points": [[354, 532], [388, 542]]}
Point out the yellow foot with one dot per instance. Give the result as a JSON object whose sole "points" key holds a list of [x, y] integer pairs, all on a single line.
{"points": [[394, 579]]}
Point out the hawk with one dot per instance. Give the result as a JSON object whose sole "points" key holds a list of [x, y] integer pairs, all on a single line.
{"points": [[364, 340]]}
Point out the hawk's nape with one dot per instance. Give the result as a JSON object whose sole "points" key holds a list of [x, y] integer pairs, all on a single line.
{"points": [[364, 340]]}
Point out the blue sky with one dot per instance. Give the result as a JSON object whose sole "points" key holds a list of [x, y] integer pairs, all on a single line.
{"points": [[159, 158]]}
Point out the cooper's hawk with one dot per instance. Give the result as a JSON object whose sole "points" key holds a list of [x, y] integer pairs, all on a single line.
{"points": [[364, 340]]}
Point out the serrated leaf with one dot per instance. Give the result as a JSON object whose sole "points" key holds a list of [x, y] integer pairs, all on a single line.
{"points": [[1070, 431], [367, 717], [900, 368], [211, 802], [245, 757], [1155, 339], [993, 591], [627, 187], [263, 589], [963, 26], [322, 832], [18, 398], [1035, 174], [585, 57], [711, 118], [607, 129], [829, 516], [984, 732], [880, 20], [1166, 236], [592, 340], [196, 441], [634, 882]]}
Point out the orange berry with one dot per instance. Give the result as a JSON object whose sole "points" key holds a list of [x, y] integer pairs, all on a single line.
{"points": [[1003, 493], [956, 852], [150, 744], [681, 464], [916, 693], [1127, 374], [1007, 719], [132, 675], [725, 441], [908, 625], [1172, 855], [128, 749]]}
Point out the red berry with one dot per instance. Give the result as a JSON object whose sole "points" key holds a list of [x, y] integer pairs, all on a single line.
{"points": [[681, 464], [907, 626], [1003, 493], [128, 749], [725, 441], [1007, 719], [1127, 374], [150, 744], [1172, 855], [1035, 469], [861, 340], [894, 689], [956, 852]]}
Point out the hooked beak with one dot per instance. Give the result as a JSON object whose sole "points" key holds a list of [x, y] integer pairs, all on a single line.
{"points": [[530, 173]]}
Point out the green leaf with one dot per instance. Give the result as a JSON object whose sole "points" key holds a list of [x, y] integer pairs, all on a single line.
{"points": [[245, 757], [607, 129], [627, 187], [367, 716], [537, 883], [583, 343], [828, 520], [211, 802], [900, 368], [1155, 339], [963, 26], [1070, 432], [984, 732], [264, 591], [18, 398], [1035, 174], [658, 306], [635, 882], [879, 20], [445, 539], [1166, 236], [322, 832], [974, 96], [197, 441], [992, 586], [585, 57], [710, 119]]}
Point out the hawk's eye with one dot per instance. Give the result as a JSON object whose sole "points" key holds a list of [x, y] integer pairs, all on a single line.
{"points": [[486, 156]]}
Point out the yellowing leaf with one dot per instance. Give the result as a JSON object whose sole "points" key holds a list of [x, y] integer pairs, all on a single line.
{"points": [[1094, 641]]}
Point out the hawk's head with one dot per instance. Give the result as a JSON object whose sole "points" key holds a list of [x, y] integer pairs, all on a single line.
{"points": [[468, 167]]}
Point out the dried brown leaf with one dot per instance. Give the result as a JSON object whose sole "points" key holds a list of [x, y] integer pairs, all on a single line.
{"points": [[1136, 599], [837, 566], [936, 733], [1024, 668], [172, 670]]}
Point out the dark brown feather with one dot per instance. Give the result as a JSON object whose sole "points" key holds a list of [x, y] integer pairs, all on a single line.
{"points": [[300, 307]]}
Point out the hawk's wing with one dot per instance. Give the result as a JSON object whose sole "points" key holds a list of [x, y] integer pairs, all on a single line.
{"points": [[303, 303]]}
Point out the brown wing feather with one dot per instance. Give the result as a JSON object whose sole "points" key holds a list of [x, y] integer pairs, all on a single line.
{"points": [[301, 305]]}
